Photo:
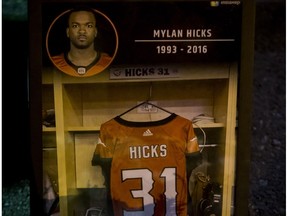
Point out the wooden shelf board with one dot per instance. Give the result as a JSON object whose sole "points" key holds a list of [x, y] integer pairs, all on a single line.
{"points": [[97, 128], [48, 129], [197, 72]]}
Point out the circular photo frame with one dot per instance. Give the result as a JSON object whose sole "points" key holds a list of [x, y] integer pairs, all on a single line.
{"points": [[73, 51]]}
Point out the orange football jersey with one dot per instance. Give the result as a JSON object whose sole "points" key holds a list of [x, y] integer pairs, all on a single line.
{"points": [[148, 170], [98, 65]]}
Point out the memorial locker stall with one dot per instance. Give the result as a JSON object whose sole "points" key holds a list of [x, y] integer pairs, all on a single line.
{"points": [[181, 57]]}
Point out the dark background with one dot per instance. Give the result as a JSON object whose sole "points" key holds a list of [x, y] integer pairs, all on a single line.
{"points": [[267, 193]]}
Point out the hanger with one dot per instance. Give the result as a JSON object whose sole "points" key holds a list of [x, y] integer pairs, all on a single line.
{"points": [[142, 103], [146, 102]]}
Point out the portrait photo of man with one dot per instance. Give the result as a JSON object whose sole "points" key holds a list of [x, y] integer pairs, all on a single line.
{"points": [[83, 55]]}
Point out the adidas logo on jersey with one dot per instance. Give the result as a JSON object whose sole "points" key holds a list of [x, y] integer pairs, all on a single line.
{"points": [[147, 133]]}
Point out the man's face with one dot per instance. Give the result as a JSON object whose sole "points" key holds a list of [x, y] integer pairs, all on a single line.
{"points": [[82, 29]]}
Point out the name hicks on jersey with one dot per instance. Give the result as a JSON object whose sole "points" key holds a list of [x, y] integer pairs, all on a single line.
{"points": [[151, 151], [181, 33]]}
